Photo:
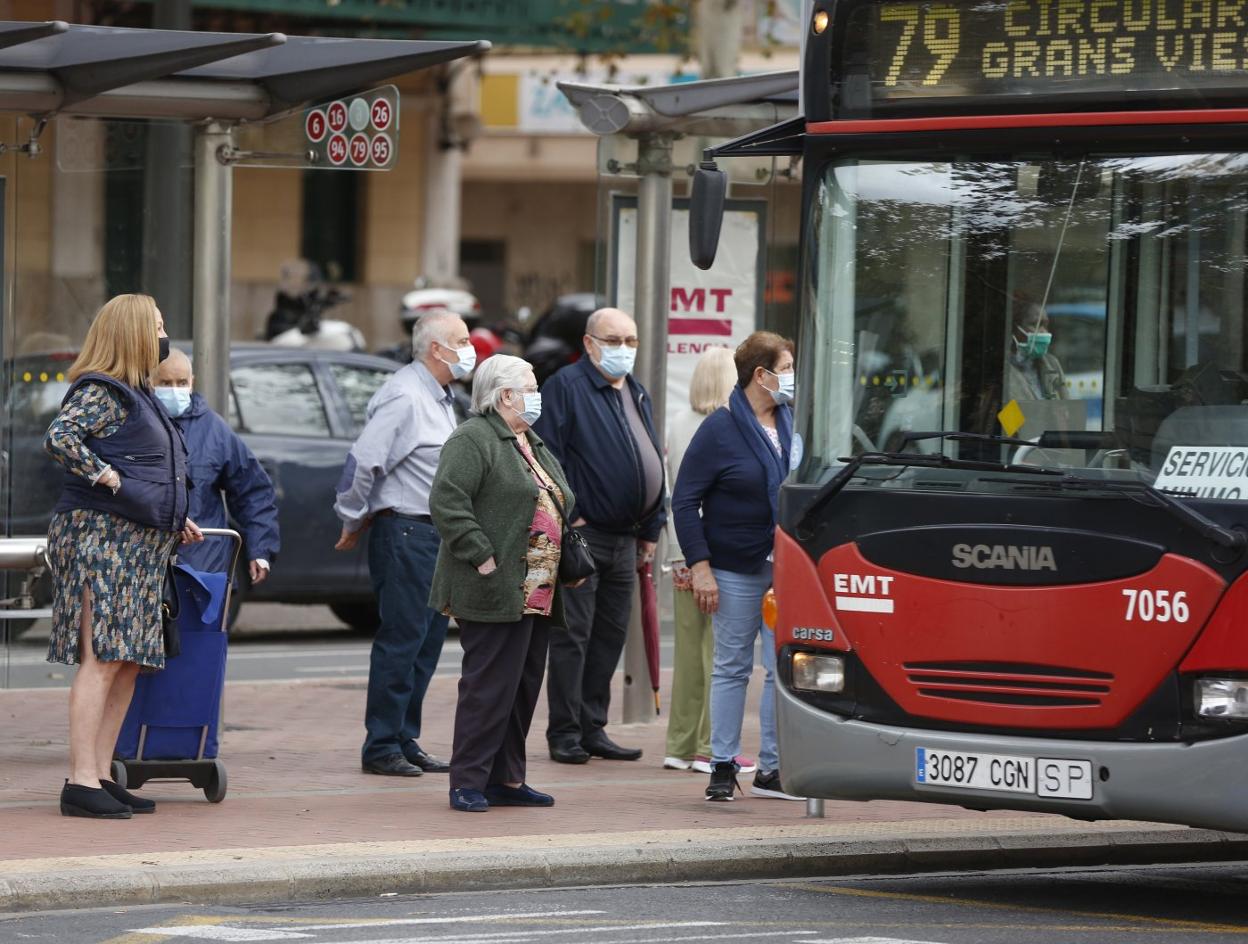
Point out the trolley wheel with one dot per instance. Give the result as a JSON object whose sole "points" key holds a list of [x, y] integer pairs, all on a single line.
{"points": [[119, 773], [215, 791]]}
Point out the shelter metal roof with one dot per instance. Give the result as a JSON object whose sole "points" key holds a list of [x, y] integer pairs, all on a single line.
{"points": [[58, 68], [615, 109]]}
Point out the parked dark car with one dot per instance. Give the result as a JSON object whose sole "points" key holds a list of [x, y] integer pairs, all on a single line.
{"points": [[555, 339], [298, 410]]}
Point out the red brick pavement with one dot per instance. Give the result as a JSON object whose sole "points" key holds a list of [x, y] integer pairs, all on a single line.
{"points": [[292, 753]]}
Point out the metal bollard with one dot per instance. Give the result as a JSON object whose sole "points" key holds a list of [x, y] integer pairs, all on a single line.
{"points": [[814, 808]]}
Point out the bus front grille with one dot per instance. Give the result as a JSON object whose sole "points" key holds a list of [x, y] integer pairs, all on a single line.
{"points": [[1013, 684]]}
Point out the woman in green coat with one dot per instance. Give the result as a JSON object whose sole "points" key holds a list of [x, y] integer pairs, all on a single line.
{"points": [[495, 502]]}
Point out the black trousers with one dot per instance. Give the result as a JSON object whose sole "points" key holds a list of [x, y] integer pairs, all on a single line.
{"points": [[498, 689], [584, 659]]}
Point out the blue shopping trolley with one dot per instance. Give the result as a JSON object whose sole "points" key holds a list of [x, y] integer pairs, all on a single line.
{"points": [[172, 730]]}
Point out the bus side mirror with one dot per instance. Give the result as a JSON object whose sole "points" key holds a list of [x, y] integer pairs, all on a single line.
{"points": [[706, 213]]}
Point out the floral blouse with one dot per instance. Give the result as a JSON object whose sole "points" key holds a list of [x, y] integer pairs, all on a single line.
{"points": [[545, 534]]}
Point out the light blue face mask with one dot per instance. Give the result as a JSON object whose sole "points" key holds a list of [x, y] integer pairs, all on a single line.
{"points": [[175, 400], [786, 381], [467, 361], [532, 407], [616, 361]]}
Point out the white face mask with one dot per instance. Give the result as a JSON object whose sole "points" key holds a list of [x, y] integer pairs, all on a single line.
{"points": [[467, 361]]}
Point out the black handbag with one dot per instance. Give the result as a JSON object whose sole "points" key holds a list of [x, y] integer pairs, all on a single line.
{"points": [[576, 561], [169, 611]]}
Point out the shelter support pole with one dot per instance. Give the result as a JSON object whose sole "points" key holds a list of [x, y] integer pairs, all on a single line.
{"points": [[814, 808], [214, 190], [653, 301]]}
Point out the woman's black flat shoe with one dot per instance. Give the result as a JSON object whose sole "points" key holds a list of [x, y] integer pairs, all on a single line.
{"points": [[91, 802], [121, 795]]}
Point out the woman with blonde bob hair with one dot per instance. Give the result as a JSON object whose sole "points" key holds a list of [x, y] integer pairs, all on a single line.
{"points": [[121, 513]]}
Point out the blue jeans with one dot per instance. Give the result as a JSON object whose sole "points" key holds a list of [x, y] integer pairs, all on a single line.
{"points": [[401, 556], [738, 623]]}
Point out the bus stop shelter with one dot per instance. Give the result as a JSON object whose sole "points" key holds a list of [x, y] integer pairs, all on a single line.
{"points": [[214, 81], [211, 85], [655, 118]]}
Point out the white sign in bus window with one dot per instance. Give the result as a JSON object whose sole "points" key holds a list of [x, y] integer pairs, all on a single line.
{"points": [[1205, 472], [719, 307]]}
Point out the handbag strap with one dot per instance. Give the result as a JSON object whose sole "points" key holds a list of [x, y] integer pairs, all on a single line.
{"points": [[550, 489]]}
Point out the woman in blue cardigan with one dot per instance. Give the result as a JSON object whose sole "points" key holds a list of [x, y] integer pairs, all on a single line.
{"points": [[725, 510]]}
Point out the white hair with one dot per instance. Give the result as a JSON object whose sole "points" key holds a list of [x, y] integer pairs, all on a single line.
{"points": [[496, 374], [431, 327]]}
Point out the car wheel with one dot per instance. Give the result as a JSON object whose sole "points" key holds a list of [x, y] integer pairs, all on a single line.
{"points": [[362, 617]]}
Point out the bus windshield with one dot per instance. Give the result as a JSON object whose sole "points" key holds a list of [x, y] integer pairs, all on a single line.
{"points": [[1094, 307]]}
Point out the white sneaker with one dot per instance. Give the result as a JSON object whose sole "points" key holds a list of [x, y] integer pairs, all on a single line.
{"points": [[675, 763], [701, 764], [768, 785]]}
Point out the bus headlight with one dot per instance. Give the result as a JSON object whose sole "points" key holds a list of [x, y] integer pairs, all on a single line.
{"points": [[818, 673], [1222, 698]]}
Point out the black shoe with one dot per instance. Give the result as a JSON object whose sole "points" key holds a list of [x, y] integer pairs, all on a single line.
{"points": [[392, 765], [568, 754], [723, 782], [91, 802], [469, 801], [767, 784], [426, 762], [602, 746], [501, 795], [136, 804]]}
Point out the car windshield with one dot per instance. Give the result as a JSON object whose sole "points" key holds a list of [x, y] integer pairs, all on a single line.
{"points": [[1094, 308]]}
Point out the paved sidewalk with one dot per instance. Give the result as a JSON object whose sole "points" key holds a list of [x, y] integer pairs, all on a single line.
{"points": [[302, 821]]}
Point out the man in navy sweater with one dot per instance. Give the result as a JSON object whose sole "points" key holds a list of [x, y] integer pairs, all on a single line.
{"points": [[222, 471], [596, 419]]}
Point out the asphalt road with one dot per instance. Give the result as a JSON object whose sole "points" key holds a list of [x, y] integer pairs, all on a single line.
{"points": [[1086, 906]]}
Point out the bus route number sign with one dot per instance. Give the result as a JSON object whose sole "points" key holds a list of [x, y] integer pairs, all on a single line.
{"points": [[930, 49], [359, 132]]}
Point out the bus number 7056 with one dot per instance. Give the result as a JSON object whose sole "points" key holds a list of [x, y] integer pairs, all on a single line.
{"points": [[1157, 606]]}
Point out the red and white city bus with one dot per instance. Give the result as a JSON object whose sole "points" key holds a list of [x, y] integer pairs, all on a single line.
{"points": [[997, 584]]}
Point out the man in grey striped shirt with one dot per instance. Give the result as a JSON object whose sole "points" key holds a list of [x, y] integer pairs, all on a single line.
{"points": [[385, 489]]}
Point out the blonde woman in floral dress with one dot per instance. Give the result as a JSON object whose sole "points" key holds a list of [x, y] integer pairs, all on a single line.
{"points": [[121, 513]]}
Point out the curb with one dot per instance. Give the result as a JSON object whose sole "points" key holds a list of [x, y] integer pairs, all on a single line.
{"points": [[647, 863]]}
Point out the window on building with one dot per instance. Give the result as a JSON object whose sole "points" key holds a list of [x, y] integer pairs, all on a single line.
{"points": [[331, 222], [483, 262]]}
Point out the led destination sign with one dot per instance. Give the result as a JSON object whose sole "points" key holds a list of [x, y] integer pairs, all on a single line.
{"points": [[1186, 51]]}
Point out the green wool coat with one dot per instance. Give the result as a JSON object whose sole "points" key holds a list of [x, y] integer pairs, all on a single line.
{"points": [[482, 504]]}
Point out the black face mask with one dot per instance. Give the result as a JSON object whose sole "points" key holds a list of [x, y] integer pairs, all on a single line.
{"points": [[164, 348]]}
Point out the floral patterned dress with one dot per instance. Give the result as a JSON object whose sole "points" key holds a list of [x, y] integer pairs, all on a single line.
{"points": [[121, 562]]}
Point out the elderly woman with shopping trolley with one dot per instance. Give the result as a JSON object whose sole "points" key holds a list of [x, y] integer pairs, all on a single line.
{"points": [[500, 503]]}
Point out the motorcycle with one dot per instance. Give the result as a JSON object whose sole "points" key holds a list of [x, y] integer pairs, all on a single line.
{"points": [[301, 300]]}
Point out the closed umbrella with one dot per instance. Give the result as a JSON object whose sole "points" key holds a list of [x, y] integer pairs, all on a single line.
{"points": [[650, 625]]}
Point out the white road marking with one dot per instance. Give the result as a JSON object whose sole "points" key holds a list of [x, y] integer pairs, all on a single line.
{"points": [[461, 919], [863, 940], [221, 932], [529, 936]]}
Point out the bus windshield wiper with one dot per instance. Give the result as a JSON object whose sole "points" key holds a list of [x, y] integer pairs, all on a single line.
{"points": [[1206, 527], [910, 459], [957, 436]]}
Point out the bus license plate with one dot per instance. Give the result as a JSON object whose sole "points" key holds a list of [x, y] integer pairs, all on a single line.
{"points": [[1041, 776]]}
